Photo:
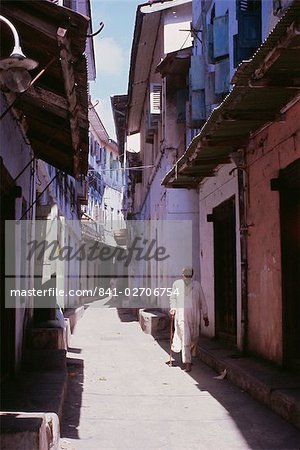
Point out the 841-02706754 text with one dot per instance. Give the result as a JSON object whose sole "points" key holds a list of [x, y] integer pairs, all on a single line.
{"points": [[137, 292]]}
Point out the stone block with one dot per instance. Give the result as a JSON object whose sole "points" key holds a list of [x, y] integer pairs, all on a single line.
{"points": [[74, 315], [152, 322], [44, 359], [46, 338], [68, 332], [29, 431]]}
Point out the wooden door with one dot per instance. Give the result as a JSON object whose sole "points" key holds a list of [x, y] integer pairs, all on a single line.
{"points": [[289, 182], [225, 270]]}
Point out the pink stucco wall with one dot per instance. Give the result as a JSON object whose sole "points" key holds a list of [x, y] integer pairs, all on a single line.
{"points": [[272, 149]]}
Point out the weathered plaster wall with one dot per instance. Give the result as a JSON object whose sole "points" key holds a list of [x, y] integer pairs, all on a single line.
{"points": [[272, 149], [16, 153]]}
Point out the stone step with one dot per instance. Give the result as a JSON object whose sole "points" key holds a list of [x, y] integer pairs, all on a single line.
{"points": [[47, 338], [29, 431], [73, 314], [44, 359], [153, 322]]}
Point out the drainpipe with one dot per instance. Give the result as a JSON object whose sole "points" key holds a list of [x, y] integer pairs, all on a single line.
{"points": [[242, 202]]}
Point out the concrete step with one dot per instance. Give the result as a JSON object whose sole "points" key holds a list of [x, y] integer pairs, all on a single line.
{"points": [[275, 388], [153, 322], [35, 392], [73, 314], [44, 359], [47, 338], [29, 431]]}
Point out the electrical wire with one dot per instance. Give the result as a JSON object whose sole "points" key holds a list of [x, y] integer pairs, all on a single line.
{"points": [[189, 33], [39, 196]]}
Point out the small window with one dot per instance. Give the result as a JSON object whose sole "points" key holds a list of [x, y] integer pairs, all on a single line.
{"points": [[155, 98]]}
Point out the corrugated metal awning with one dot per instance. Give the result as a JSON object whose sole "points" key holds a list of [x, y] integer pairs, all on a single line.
{"points": [[54, 111], [262, 87]]}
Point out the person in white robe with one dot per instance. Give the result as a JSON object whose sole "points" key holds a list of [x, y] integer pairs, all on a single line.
{"points": [[186, 304]]}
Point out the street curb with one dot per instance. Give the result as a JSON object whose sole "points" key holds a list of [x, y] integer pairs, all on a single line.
{"points": [[74, 315], [278, 393]]}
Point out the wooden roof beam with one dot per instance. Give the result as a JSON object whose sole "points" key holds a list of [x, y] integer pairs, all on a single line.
{"points": [[18, 14], [49, 101]]}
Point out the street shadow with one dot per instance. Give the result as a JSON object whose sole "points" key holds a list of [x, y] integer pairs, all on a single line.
{"points": [[73, 399], [260, 427]]}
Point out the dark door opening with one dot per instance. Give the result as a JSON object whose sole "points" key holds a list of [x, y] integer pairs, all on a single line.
{"points": [[290, 242], [225, 270], [7, 315]]}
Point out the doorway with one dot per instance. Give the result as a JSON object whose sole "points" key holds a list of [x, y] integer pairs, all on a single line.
{"points": [[289, 183], [7, 317], [225, 270]]}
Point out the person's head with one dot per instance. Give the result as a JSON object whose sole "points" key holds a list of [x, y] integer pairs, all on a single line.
{"points": [[187, 273]]}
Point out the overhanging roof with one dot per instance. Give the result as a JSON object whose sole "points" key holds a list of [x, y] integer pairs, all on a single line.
{"points": [[160, 5], [56, 106], [175, 63], [145, 32], [262, 87], [119, 107]]}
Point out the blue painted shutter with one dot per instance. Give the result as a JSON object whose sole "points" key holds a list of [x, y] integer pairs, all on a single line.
{"points": [[220, 37], [222, 80], [197, 73]]}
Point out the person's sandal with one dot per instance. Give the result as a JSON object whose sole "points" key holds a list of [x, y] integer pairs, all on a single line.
{"points": [[188, 367]]}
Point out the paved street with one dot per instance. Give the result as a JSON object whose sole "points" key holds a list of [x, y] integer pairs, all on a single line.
{"points": [[122, 395]]}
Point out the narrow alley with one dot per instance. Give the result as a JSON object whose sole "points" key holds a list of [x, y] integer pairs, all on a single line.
{"points": [[123, 395], [150, 173]]}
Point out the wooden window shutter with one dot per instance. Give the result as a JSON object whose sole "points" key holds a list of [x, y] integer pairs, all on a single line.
{"points": [[197, 73], [222, 79], [220, 37]]}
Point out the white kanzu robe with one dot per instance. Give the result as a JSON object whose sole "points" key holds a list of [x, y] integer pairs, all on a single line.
{"points": [[188, 300]]}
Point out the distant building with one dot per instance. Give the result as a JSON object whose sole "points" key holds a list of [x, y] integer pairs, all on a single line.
{"points": [[156, 108], [102, 216]]}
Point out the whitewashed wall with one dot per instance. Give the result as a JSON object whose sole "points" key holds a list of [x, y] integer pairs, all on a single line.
{"points": [[176, 20]]}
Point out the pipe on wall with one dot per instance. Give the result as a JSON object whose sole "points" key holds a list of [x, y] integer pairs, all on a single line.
{"points": [[242, 202]]}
